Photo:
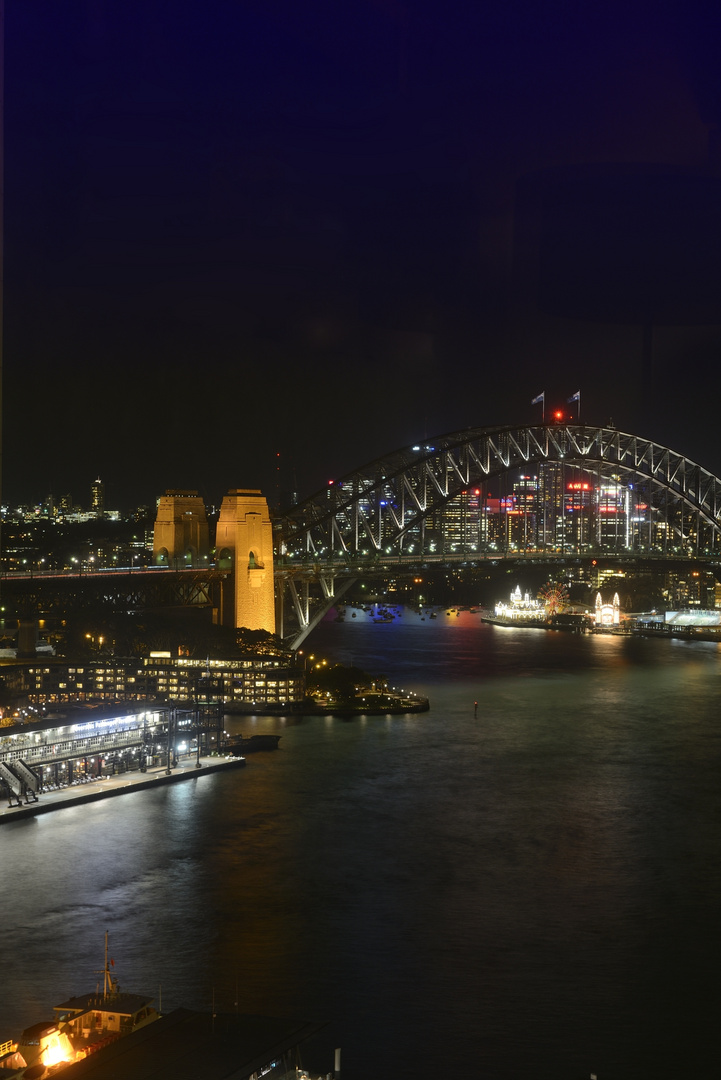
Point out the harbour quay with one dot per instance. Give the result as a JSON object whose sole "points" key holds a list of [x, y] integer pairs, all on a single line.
{"points": [[109, 786]]}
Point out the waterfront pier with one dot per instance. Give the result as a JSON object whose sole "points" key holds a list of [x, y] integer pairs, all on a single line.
{"points": [[104, 787], [109, 748]]}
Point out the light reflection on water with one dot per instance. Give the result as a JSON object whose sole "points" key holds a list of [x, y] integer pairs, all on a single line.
{"points": [[532, 891]]}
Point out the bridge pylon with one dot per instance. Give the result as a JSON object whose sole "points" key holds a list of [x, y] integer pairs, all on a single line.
{"points": [[180, 535], [244, 545]]}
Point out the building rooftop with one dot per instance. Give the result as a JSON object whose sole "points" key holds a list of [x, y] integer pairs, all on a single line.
{"points": [[33, 1033], [86, 714]]}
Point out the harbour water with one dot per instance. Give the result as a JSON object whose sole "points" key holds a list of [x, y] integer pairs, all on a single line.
{"points": [[532, 890]]}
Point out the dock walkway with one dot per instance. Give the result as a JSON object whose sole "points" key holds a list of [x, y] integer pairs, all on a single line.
{"points": [[122, 784]]}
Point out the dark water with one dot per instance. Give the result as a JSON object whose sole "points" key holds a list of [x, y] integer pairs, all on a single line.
{"points": [[532, 892]]}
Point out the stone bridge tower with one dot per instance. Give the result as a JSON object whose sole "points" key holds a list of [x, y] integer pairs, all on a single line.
{"points": [[180, 536], [244, 543]]}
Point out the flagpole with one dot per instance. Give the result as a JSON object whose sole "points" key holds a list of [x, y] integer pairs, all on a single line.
{"points": [[577, 398]]}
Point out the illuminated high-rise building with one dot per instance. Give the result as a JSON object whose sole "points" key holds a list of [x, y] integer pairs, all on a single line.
{"points": [[460, 521], [500, 518], [550, 514], [524, 523], [97, 497], [614, 517], [579, 514]]}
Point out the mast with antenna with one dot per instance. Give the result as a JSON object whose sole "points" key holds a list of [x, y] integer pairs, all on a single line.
{"points": [[110, 985]]}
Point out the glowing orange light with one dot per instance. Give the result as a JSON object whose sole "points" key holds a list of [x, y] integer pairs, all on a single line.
{"points": [[57, 1048]]}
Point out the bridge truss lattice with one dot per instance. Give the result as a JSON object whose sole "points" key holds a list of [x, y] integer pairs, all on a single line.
{"points": [[399, 506]]}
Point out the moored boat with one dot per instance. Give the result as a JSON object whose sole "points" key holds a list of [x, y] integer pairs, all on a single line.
{"points": [[241, 745], [81, 1026]]}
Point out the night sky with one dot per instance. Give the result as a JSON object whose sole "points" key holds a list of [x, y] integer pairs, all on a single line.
{"points": [[329, 229]]}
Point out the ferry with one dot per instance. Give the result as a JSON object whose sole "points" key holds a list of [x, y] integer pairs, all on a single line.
{"points": [[81, 1026]]}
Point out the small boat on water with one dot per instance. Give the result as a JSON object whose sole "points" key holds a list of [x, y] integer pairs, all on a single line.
{"points": [[241, 746], [383, 617]]}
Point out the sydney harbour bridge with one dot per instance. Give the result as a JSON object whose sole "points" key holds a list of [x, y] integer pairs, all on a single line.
{"points": [[661, 503], [541, 493], [545, 493]]}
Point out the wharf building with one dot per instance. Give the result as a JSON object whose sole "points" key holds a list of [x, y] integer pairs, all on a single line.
{"points": [[68, 750], [258, 684]]}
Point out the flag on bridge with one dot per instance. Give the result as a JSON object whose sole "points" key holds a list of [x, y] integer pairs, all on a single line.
{"points": [[540, 400], [575, 397]]}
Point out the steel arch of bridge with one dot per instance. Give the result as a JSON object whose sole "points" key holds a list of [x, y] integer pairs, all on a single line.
{"points": [[382, 509]]}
